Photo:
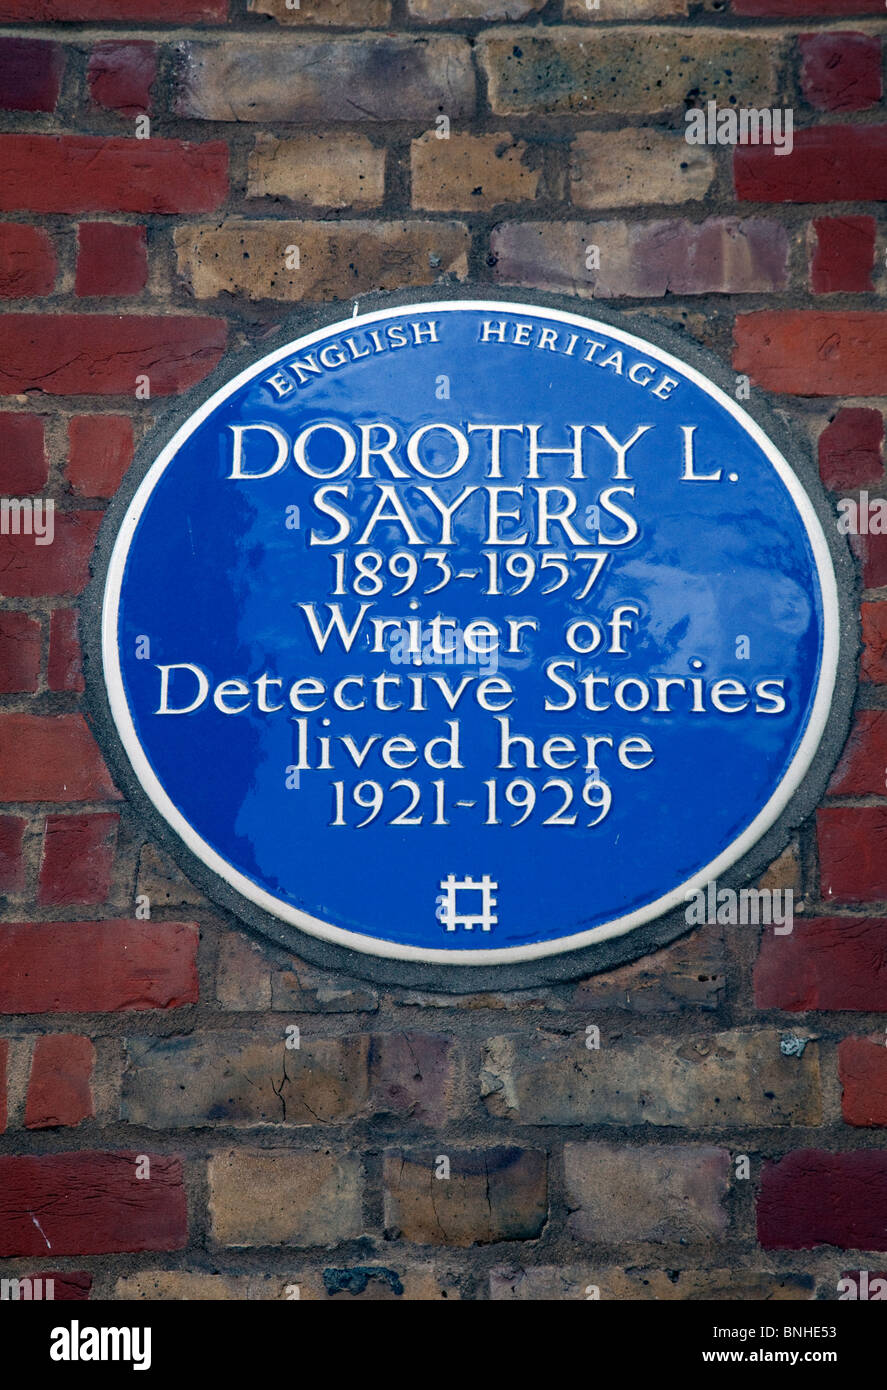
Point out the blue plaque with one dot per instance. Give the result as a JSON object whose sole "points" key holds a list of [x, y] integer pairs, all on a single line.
{"points": [[468, 633]]}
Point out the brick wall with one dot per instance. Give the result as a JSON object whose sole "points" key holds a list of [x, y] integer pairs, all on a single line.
{"points": [[152, 1113]]}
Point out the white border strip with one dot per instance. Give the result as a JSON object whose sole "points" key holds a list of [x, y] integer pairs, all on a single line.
{"points": [[537, 950]]}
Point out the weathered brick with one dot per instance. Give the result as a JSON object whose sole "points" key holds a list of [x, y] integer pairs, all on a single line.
{"points": [[163, 883], [21, 640], [100, 449], [30, 74], [843, 255], [355, 14], [4, 1052], [784, 872], [666, 1195], [472, 171], [814, 1198], [557, 1282], [91, 173], [50, 758], [558, 71], [722, 255], [873, 664], [112, 258], [412, 1075], [712, 1081], [12, 868], [439, 11], [62, 567], [90, 1204], [852, 862], [374, 77], [65, 666], [60, 1083], [637, 168], [96, 967], [363, 1282], [851, 449], [24, 466], [872, 552], [332, 170], [78, 858], [827, 164], [283, 1197], [302, 987], [862, 1069], [862, 770], [826, 963], [165, 11], [121, 76], [629, 10], [491, 1195], [243, 974], [813, 353], [248, 979], [27, 262], [841, 71], [102, 354], [689, 974], [238, 1079], [336, 259]]}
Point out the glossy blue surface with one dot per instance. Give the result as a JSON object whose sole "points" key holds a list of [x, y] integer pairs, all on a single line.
{"points": [[219, 566]]}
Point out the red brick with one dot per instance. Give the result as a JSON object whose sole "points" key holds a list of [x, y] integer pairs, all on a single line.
{"points": [[792, 9], [51, 757], [78, 858], [65, 668], [24, 466], [112, 259], [862, 1068], [826, 963], [12, 868], [828, 164], [872, 551], [862, 770], [852, 853], [28, 570], [165, 11], [4, 1049], [100, 449], [811, 353], [30, 74], [843, 256], [841, 71], [27, 262], [102, 354], [873, 666], [90, 1204], [60, 1084], [814, 1198], [97, 967], [121, 76], [20, 642], [90, 173], [851, 449]]}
